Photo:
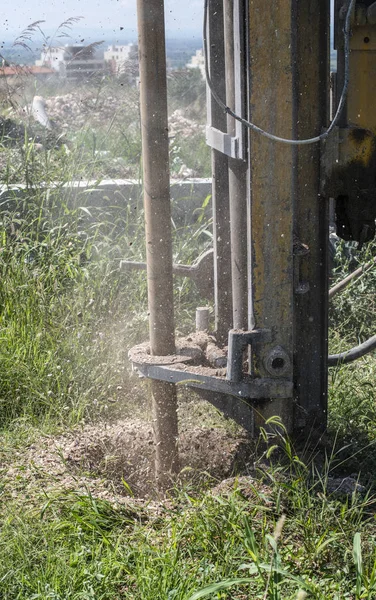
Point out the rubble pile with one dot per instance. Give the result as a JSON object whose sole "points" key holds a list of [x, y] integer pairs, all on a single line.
{"points": [[75, 110], [182, 126], [114, 117]]}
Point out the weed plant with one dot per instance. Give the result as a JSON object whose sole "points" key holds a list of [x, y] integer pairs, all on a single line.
{"points": [[68, 313], [352, 315], [353, 311], [277, 535]]}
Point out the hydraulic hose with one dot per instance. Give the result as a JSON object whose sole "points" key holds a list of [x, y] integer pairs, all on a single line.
{"points": [[353, 353]]}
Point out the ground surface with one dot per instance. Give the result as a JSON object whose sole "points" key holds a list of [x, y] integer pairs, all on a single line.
{"points": [[112, 461]]}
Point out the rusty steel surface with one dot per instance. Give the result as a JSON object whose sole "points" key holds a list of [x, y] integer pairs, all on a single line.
{"points": [[271, 205], [311, 112]]}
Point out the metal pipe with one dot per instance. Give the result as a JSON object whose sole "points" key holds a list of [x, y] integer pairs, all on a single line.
{"points": [[341, 285], [201, 271], [221, 213], [222, 247], [353, 353], [202, 318], [155, 158], [237, 170]]}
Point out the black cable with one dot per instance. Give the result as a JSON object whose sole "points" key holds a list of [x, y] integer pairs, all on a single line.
{"points": [[352, 354], [271, 136]]}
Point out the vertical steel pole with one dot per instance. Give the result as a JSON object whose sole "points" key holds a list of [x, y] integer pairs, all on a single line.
{"points": [[237, 188], [155, 156], [271, 207], [311, 111], [220, 202]]}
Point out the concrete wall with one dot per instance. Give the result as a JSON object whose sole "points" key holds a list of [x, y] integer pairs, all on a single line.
{"points": [[187, 197]]}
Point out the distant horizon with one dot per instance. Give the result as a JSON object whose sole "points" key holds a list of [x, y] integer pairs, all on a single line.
{"points": [[90, 32], [177, 46], [89, 35]]}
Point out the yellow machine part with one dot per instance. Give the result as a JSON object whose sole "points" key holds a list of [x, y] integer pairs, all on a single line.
{"points": [[362, 91], [352, 179]]}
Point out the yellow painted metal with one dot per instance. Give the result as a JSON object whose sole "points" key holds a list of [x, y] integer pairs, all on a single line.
{"points": [[360, 110], [362, 91], [350, 178], [271, 172], [355, 149]]}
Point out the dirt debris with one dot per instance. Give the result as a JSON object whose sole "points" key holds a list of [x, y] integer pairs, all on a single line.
{"points": [[115, 461]]}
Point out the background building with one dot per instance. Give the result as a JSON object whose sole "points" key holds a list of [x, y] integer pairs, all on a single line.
{"points": [[123, 60], [198, 62], [72, 62]]}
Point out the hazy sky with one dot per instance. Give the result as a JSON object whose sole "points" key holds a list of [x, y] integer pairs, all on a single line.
{"points": [[181, 16]]}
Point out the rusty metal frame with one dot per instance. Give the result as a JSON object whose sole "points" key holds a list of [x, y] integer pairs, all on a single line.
{"points": [[270, 221], [276, 357], [248, 388]]}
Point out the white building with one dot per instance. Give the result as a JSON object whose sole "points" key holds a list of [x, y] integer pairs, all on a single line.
{"points": [[198, 62], [122, 59], [72, 62], [52, 58]]}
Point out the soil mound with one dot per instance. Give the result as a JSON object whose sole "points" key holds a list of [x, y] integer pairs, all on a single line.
{"points": [[113, 461]]}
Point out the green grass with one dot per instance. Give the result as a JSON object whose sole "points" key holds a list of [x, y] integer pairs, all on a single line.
{"points": [[268, 537], [352, 414], [68, 314]]}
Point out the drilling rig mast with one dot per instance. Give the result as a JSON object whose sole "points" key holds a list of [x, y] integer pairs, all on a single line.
{"points": [[281, 149]]}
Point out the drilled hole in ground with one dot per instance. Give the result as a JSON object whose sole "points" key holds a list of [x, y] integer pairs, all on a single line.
{"points": [[112, 459]]}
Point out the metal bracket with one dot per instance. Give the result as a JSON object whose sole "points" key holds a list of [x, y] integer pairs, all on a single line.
{"points": [[233, 146], [237, 343], [223, 142], [179, 369], [201, 271], [250, 389]]}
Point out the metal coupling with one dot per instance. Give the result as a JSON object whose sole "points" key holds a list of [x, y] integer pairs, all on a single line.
{"points": [[278, 362]]}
